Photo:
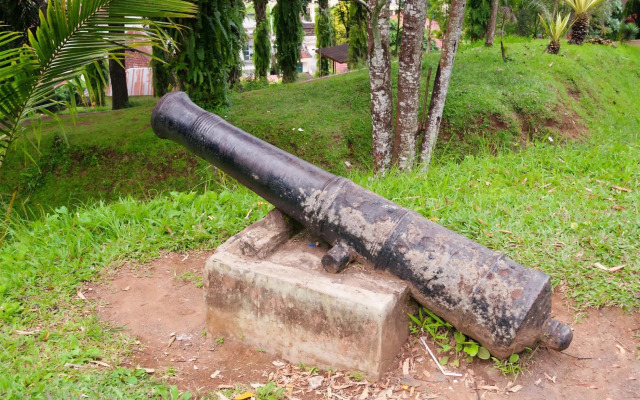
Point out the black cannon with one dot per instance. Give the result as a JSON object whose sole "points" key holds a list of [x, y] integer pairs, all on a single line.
{"points": [[500, 303]]}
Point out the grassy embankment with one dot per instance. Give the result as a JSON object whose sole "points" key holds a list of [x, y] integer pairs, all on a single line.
{"points": [[558, 206]]}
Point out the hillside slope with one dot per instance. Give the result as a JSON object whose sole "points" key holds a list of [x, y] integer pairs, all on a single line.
{"points": [[492, 106]]}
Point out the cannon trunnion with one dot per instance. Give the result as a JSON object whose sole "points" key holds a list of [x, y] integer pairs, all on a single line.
{"points": [[500, 303]]}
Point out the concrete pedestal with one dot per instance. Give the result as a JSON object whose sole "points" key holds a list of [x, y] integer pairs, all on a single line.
{"points": [[270, 291]]}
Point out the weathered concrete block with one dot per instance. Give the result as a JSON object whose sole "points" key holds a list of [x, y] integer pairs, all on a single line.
{"points": [[289, 306]]}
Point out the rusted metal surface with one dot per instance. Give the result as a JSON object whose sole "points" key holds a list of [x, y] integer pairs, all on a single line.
{"points": [[500, 303]]}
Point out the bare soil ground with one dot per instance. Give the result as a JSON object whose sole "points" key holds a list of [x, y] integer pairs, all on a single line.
{"points": [[162, 306]]}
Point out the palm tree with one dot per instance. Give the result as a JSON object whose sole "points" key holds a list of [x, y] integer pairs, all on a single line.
{"points": [[580, 23], [555, 30], [74, 35]]}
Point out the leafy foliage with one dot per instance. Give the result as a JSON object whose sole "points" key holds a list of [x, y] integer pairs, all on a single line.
{"points": [[629, 31], [453, 344], [357, 34], [74, 34], [478, 14], [324, 34], [582, 10], [20, 16], [582, 6], [209, 51], [261, 40], [163, 76], [555, 30], [289, 35], [632, 8], [96, 77]]}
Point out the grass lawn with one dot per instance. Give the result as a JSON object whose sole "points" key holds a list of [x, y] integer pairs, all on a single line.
{"points": [[557, 205]]}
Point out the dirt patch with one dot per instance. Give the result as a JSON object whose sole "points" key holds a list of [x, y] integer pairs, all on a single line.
{"points": [[566, 127], [163, 307], [497, 124], [573, 93]]}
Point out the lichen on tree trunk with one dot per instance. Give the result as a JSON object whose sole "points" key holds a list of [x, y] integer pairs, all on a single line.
{"points": [[441, 83], [409, 73], [380, 82]]}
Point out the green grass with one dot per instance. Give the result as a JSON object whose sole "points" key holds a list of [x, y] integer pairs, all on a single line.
{"points": [[549, 205], [43, 264], [492, 107]]}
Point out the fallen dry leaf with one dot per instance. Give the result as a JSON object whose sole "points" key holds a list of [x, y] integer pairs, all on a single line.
{"points": [[80, 295], [26, 332], [212, 376], [315, 382], [100, 363], [515, 388], [365, 393], [243, 396], [490, 388], [622, 188], [612, 269]]}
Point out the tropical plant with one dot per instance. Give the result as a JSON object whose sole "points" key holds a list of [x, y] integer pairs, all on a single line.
{"points": [[631, 8], [261, 39], [208, 56], [477, 18], [74, 34], [96, 77], [580, 25], [289, 35], [628, 31], [163, 76], [20, 16], [357, 35], [324, 34], [555, 30]]}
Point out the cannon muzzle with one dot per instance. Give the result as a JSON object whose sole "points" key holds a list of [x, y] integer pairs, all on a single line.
{"points": [[485, 295]]}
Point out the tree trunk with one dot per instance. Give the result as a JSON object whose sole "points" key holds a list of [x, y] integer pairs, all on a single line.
{"points": [[380, 82], [118, 76], [491, 29], [441, 83], [555, 10], [409, 72]]}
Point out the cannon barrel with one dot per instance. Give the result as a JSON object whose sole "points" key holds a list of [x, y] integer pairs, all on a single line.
{"points": [[485, 295]]}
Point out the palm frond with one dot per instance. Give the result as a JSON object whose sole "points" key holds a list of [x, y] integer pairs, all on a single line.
{"points": [[555, 29], [74, 34], [582, 6]]}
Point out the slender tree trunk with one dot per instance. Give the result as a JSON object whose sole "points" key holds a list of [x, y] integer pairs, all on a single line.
{"points": [[491, 29], [555, 10], [441, 83], [409, 72], [380, 82], [118, 76]]}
